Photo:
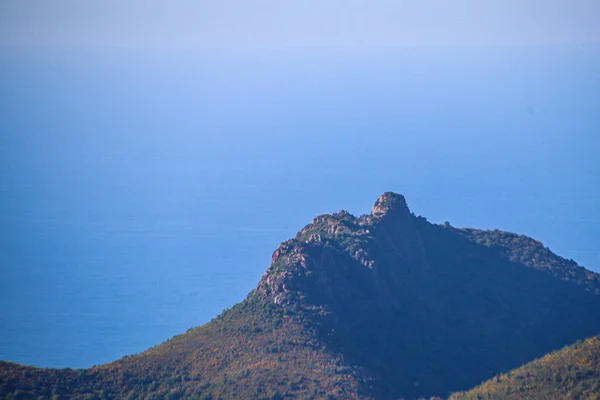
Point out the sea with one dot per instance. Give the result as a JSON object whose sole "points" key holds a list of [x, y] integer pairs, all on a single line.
{"points": [[144, 190]]}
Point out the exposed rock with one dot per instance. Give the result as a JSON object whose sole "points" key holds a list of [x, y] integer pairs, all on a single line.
{"points": [[390, 204]]}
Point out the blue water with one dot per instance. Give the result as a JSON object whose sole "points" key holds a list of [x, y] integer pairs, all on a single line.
{"points": [[143, 191]]}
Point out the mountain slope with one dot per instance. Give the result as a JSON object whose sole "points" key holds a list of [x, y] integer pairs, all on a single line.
{"points": [[253, 350], [531, 253], [570, 373], [382, 306]]}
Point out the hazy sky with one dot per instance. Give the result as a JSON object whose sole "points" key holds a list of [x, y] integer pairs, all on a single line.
{"points": [[281, 23]]}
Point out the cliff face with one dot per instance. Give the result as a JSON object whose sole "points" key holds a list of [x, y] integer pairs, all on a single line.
{"points": [[339, 257], [385, 305]]}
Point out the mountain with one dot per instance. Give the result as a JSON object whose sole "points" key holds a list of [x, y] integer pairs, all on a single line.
{"points": [[570, 373], [382, 306]]}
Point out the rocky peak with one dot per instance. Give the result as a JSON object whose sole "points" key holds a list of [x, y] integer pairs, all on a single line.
{"points": [[390, 204]]}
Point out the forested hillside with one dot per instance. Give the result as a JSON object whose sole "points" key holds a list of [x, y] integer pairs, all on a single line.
{"points": [[570, 373]]}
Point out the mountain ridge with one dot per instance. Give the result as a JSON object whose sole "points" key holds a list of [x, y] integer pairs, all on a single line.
{"points": [[385, 305]]}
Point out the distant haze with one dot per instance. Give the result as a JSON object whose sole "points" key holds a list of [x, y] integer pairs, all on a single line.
{"points": [[273, 23]]}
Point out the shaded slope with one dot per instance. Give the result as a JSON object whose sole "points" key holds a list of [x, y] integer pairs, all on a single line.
{"points": [[570, 373], [386, 306], [532, 253]]}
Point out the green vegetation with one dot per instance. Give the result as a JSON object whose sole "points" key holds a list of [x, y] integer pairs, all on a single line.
{"points": [[384, 306], [570, 373], [250, 351]]}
